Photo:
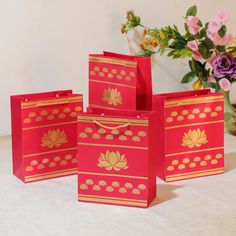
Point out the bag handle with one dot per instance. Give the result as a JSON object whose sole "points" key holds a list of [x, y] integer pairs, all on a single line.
{"points": [[47, 103], [111, 128]]}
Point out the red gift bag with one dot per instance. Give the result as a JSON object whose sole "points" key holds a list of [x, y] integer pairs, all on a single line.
{"points": [[120, 81], [190, 134], [116, 156], [44, 143]]}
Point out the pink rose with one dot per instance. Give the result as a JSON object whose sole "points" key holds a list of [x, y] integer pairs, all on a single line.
{"points": [[212, 90], [193, 26], [214, 26], [225, 84], [223, 16], [212, 57], [197, 56], [226, 40], [211, 79], [193, 45], [211, 36]]}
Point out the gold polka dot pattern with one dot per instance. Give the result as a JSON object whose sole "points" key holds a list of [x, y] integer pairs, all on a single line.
{"points": [[50, 162], [194, 162]]}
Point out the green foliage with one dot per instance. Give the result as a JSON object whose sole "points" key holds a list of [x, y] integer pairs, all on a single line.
{"points": [[192, 11], [189, 77]]}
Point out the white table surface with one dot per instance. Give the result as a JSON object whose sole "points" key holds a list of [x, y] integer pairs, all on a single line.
{"points": [[202, 206]]}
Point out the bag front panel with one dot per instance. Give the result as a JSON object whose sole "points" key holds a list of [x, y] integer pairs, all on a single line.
{"points": [[192, 147], [113, 171], [49, 138], [112, 83]]}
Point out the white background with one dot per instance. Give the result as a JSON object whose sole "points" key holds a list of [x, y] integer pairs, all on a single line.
{"points": [[44, 44]]}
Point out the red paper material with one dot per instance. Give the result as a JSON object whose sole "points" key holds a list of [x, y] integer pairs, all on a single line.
{"points": [[116, 156], [120, 82], [44, 141], [190, 134]]}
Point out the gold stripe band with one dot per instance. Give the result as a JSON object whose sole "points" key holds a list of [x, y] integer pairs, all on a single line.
{"points": [[53, 101], [113, 175], [191, 101], [98, 106], [181, 177], [115, 198], [194, 124], [113, 61], [118, 202], [115, 123], [111, 83], [54, 124], [201, 150], [54, 151], [50, 175], [112, 145], [111, 119]]}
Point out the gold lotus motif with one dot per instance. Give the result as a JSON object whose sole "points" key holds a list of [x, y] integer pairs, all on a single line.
{"points": [[54, 138], [194, 138], [112, 97], [112, 160]]}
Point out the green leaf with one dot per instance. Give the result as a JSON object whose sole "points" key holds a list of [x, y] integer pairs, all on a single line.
{"points": [[221, 48], [204, 51], [189, 77], [192, 11], [208, 43], [222, 31], [191, 65]]}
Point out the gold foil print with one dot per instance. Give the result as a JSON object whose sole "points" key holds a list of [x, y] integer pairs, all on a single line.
{"points": [[92, 73], [88, 130], [109, 189], [186, 160], [207, 109], [105, 70], [142, 133], [169, 119], [142, 186], [214, 162], [213, 114], [181, 166], [191, 116], [128, 132], [185, 112], [52, 164], [27, 120], [122, 138], [115, 184], [67, 110], [136, 191], [68, 157], [132, 74], [89, 181], [174, 113], [112, 161], [101, 74], [197, 159], [202, 115], [119, 77], [55, 111], [83, 186], [63, 162], [192, 165], [196, 111], [102, 183], [114, 71], [96, 136], [194, 138], [175, 162], [123, 72], [74, 160], [53, 138], [29, 168], [112, 97], [207, 157], [43, 113], [41, 166], [78, 108], [57, 158], [45, 160], [203, 163], [109, 136], [129, 185], [62, 116], [96, 68], [32, 114], [101, 131], [122, 190], [115, 132], [38, 118], [110, 76], [127, 78], [50, 117], [180, 118], [218, 108], [219, 156], [83, 135], [34, 162], [170, 168], [73, 114], [136, 139]]}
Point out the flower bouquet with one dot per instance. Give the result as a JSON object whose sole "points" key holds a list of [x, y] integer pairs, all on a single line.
{"points": [[210, 48]]}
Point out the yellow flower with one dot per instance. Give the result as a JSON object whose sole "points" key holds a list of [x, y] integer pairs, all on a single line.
{"points": [[194, 138], [54, 138], [112, 160], [162, 36], [112, 97], [197, 84]]}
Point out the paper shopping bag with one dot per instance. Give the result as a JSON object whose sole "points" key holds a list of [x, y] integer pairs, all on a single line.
{"points": [[120, 82], [44, 143], [190, 134], [116, 156]]}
